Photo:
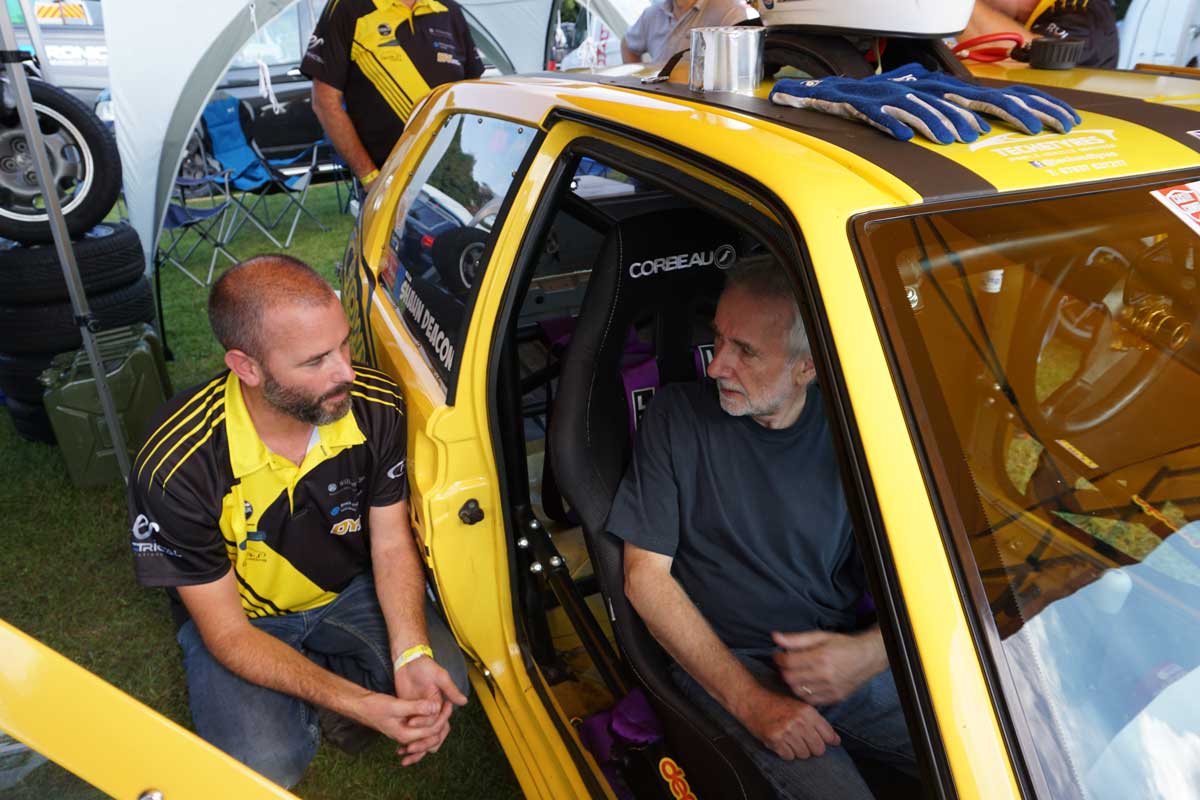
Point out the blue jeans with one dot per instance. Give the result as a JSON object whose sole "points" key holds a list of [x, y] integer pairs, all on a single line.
{"points": [[277, 734], [870, 723]]}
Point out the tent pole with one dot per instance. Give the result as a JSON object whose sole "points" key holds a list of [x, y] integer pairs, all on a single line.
{"points": [[62, 240]]}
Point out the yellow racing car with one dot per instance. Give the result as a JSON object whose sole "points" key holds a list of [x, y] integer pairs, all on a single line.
{"points": [[1005, 332]]}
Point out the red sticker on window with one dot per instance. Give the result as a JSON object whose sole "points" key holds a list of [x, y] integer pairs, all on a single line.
{"points": [[1183, 201]]}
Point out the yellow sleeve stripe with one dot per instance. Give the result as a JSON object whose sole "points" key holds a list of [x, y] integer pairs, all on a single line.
{"points": [[378, 377], [211, 427], [387, 403], [379, 389], [199, 399], [1045, 5], [371, 371], [184, 437]]}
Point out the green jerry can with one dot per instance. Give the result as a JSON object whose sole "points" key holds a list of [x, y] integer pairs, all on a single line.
{"points": [[137, 377]]}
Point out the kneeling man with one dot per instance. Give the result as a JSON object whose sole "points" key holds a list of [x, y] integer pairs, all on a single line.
{"points": [[273, 502], [740, 559]]}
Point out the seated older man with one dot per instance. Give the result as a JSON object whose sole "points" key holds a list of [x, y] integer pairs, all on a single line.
{"points": [[740, 559]]}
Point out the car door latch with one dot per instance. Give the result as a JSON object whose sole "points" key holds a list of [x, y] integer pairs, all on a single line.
{"points": [[470, 513]]}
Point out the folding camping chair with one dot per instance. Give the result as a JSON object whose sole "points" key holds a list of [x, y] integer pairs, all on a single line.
{"points": [[211, 224], [249, 173]]}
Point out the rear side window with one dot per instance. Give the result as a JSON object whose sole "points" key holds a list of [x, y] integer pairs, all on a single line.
{"points": [[445, 223]]}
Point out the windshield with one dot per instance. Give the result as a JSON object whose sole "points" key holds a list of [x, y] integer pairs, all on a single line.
{"points": [[1048, 347]]}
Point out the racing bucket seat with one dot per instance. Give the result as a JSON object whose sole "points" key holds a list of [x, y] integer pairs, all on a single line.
{"points": [[658, 274]]}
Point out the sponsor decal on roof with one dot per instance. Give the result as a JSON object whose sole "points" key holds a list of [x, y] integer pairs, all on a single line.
{"points": [[1079, 152]]}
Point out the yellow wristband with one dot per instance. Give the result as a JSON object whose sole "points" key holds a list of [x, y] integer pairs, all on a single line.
{"points": [[365, 180], [412, 654]]}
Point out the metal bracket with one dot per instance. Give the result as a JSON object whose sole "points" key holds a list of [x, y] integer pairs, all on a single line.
{"points": [[88, 321]]}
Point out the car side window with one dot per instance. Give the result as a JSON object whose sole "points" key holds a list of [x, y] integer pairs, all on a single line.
{"points": [[445, 223]]}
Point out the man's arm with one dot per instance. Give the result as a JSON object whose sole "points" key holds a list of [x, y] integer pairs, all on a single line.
{"points": [[400, 586], [327, 104], [628, 55], [823, 668], [262, 659], [985, 20], [789, 727]]}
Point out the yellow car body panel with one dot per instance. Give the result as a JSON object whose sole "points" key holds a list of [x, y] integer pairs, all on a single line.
{"points": [[107, 738], [822, 186], [1154, 88]]}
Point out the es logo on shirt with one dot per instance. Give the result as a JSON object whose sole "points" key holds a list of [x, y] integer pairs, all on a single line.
{"points": [[143, 528]]}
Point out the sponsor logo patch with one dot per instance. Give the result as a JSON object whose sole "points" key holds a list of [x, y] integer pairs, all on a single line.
{"points": [[347, 526], [641, 401], [143, 528], [672, 773], [703, 258]]}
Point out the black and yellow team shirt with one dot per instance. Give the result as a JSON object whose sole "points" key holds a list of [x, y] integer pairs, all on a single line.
{"points": [[206, 494], [384, 57], [1093, 20]]}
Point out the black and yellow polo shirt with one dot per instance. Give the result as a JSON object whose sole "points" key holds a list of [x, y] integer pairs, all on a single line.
{"points": [[1093, 20], [205, 494], [384, 57]]}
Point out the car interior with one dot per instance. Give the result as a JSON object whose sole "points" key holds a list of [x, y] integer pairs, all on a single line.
{"points": [[616, 297]]}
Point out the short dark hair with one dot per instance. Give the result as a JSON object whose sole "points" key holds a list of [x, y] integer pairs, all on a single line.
{"points": [[763, 277], [240, 298]]}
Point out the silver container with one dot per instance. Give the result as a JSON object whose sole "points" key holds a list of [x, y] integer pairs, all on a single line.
{"points": [[727, 59]]}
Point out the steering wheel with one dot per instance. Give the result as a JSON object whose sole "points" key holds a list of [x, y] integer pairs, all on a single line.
{"points": [[1101, 328], [966, 50]]}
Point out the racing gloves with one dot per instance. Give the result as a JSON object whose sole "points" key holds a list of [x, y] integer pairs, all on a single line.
{"points": [[894, 107], [940, 107], [1023, 107]]}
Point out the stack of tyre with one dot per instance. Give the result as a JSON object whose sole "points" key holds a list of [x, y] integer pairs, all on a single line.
{"points": [[37, 320]]}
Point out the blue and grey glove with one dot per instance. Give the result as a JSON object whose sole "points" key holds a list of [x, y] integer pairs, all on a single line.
{"points": [[1023, 107], [894, 108]]}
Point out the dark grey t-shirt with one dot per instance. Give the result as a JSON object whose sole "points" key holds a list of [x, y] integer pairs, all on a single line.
{"points": [[755, 518]]}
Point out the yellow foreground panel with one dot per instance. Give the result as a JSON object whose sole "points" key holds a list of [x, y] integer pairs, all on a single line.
{"points": [[104, 736]]}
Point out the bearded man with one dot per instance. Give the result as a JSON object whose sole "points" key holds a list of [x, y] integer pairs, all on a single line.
{"points": [[272, 502]]}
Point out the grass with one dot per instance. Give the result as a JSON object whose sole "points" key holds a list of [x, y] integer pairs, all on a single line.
{"points": [[68, 575]]}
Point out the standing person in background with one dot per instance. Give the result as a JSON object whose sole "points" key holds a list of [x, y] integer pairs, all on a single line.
{"points": [[371, 62], [665, 27], [1094, 20]]}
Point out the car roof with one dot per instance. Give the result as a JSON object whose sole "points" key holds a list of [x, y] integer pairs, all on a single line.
{"points": [[1121, 135]]}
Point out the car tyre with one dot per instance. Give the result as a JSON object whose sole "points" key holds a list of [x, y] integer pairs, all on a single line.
{"points": [[31, 421], [108, 255], [52, 327], [83, 159], [19, 375]]}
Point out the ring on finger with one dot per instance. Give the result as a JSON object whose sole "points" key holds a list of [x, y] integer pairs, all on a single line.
{"points": [[805, 690]]}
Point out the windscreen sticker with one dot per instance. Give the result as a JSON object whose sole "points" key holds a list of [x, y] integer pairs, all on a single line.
{"points": [[1075, 451], [1183, 201], [425, 315], [1082, 151]]}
